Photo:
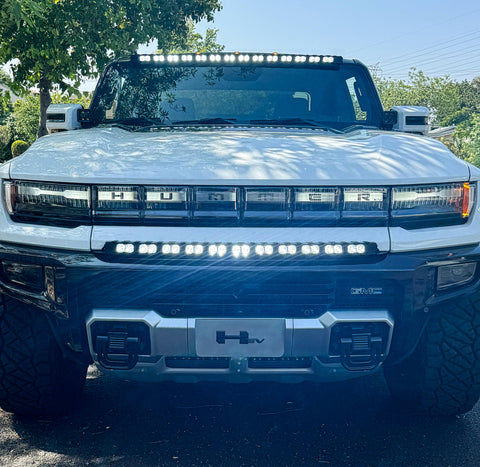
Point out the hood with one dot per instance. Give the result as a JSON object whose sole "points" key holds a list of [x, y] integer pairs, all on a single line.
{"points": [[236, 156]]}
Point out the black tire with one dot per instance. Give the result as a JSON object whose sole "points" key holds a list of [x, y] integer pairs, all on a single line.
{"points": [[35, 380], [442, 376]]}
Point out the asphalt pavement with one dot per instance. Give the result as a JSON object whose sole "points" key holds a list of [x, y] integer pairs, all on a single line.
{"points": [[124, 423]]}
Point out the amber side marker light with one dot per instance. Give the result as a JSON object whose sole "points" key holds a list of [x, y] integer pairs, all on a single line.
{"points": [[466, 200]]}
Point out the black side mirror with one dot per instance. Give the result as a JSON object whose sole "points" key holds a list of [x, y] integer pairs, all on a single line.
{"points": [[83, 115]]}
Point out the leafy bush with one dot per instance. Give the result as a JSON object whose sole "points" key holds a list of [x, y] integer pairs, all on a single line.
{"points": [[19, 147]]}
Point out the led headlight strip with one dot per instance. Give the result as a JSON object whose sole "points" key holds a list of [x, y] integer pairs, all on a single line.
{"points": [[238, 250], [410, 206]]}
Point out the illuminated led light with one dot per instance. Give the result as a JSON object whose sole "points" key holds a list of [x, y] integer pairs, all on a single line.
{"points": [[286, 58], [166, 249], [120, 248], [156, 58], [129, 248], [315, 249], [466, 200], [361, 249], [175, 249], [282, 250], [306, 249], [314, 59], [338, 249], [201, 58], [236, 251], [147, 249], [198, 249], [328, 59], [292, 249], [329, 249], [222, 250], [212, 250], [189, 249], [268, 249], [259, 250], [245, 250], [300, 59]]}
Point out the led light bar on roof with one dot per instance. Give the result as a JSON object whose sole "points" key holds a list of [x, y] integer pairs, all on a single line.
{"points": [[239, 58]]}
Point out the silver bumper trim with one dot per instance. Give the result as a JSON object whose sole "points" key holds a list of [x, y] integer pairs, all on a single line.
{"points": [[177, 337]]}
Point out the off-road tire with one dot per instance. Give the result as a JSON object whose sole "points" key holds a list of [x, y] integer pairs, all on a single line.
{"points": [[35, 379], [442, 376]]}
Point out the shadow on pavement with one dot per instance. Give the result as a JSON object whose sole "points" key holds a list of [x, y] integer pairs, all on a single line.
{"points": [[350, 423]]}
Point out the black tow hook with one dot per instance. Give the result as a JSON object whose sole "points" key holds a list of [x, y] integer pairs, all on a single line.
{"points": [[117, 351], [361, 352]]}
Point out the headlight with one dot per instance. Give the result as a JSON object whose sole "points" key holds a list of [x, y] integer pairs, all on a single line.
{"points": [[46, 203], [426, 205]]}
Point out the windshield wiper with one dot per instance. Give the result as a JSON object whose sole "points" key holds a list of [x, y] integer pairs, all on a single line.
{"points": [[129, 124], [206, 121], [301, 122], [359, 126]]}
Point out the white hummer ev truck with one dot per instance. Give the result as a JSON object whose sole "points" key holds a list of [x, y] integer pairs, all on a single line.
{"points": [[239, 217]]}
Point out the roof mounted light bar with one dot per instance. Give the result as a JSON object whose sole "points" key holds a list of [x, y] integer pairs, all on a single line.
{"points": [[236, 58]]}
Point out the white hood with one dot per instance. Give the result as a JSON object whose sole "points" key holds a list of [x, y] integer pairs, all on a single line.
{"points": [[238, 156]]}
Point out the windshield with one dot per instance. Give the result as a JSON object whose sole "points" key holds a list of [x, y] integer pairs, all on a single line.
{"points": [[335, 97]]}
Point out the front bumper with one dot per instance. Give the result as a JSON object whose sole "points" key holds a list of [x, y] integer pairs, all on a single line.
{"points": [[390, 297]]}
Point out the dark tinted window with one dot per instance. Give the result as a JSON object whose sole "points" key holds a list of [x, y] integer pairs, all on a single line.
{"points": [[339, 96]]}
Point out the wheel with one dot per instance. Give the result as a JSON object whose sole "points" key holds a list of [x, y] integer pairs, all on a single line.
{"points": [[442, 376], [35, 379]]}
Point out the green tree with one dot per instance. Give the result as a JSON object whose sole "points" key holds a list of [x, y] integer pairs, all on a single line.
{"points": [[195, 42], [5, 98], [440, 94], [53, 41]]}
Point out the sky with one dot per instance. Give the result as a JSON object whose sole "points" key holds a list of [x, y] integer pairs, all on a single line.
{"points": [[439, 37]]}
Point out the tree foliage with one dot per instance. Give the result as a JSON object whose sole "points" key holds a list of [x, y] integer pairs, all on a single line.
{"points": [[450, 103], [53, 41], [195, 42], [440, 94]]}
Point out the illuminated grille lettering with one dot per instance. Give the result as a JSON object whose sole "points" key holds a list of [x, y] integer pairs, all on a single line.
{"points": [[356, 197], [161, 195]]}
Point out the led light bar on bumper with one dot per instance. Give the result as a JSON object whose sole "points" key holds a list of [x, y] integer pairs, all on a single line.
{"points": [[411, 207], [193, 250]]}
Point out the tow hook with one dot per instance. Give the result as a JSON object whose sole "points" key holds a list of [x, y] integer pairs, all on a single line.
{"points": [[117, 351], [361, 352]]}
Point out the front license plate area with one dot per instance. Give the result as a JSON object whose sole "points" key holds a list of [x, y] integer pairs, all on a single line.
{"points": [[240, 337]]}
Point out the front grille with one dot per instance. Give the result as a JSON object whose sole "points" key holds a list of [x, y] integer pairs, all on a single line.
{"points": [[273, 296]]}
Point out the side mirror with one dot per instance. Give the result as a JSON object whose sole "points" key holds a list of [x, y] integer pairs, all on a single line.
{"points": [[63, 116], [411, 119]]}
